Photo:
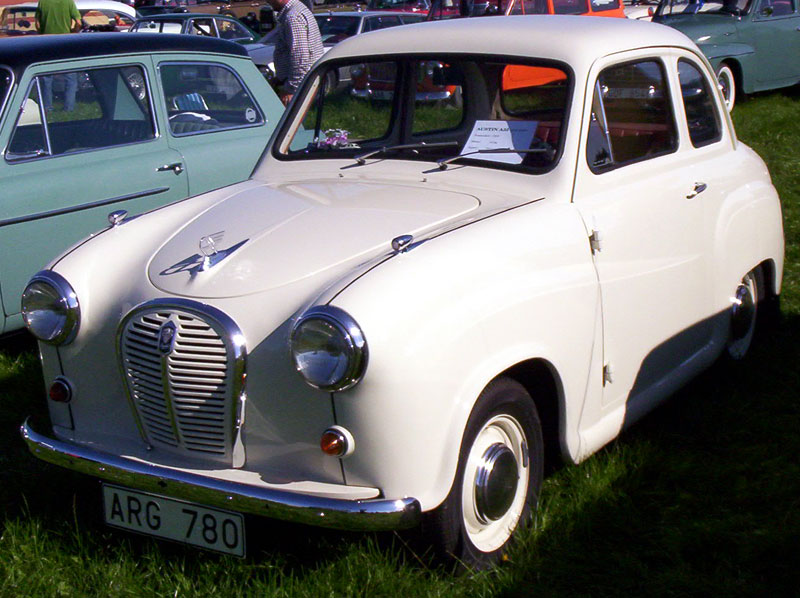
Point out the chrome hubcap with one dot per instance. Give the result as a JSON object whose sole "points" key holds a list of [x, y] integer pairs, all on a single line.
{"points": [[743, 312], [496, 482], [495, 485]]}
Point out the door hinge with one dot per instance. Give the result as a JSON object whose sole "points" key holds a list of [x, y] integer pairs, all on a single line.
{"points": [[596, 241], [608, 374]]}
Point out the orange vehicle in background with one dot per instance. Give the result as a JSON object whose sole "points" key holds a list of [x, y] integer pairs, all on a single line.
{"points": [[444, 9]]}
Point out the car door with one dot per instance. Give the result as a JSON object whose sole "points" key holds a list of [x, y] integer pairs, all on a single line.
{"points": [[79, 141], [636, 191], [775, 31], [218, 114]]}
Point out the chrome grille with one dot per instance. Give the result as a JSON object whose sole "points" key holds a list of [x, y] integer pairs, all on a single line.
{"points": [[183, 391]]}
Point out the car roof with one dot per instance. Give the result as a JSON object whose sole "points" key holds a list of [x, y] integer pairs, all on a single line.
{"points": [[183, 16], [19, 52], [360, 13], [90, 5], [575, 41]]}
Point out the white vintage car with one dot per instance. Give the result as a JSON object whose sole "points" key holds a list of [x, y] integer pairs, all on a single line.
{"points": [[411, 304]]}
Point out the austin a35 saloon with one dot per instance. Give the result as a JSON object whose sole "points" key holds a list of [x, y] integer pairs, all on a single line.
{"points": [[412, 304]]}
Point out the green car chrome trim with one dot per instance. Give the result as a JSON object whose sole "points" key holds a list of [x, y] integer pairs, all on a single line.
{"points": [[85, 206]]}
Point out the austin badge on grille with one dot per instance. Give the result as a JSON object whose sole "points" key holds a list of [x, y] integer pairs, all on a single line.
{"points": [[166, 338]]}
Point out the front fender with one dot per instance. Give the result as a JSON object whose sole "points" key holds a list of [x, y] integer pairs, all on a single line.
{"points": [[443, 320]]}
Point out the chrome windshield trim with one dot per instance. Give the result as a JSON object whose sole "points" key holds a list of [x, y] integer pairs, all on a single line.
{"points": [[4, 99], [85, 206], [362, 515]]}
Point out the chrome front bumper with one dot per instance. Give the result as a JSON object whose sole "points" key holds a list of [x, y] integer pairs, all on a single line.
{"points": [[364, 515]]}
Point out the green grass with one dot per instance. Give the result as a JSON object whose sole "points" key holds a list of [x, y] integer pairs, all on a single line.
{"points": [[701, 498]]}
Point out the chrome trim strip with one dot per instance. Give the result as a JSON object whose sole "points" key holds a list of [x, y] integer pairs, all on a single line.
{"points": [[4, 99], [85, 206], [363, 515], [233, 337]]}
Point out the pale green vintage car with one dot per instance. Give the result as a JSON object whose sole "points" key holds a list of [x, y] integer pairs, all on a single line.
{"points": [[753, 45], [96, 123]]}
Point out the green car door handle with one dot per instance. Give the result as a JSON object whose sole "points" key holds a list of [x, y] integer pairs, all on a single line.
{"points": [[177, 168]]}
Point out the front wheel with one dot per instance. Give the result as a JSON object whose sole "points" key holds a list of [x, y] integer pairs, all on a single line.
{"points": [[498, 479], [727, 83]]}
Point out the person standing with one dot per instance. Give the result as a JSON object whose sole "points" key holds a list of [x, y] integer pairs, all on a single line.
{"points": [[56, 17], [297, 47]]}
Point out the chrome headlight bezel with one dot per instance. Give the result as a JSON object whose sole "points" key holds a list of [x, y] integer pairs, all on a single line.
{"points": [[65, 302], [351, 338]]}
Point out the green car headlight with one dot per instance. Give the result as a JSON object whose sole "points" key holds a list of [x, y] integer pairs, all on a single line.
{"points": [[328, 348], [50, 308]]}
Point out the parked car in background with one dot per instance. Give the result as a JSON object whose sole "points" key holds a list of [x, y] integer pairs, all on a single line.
{"points": [[250, 12], [753, 45], [103, 122], [222, 27], [642, 10], [445, 9], [96, 15], [407, 302], [334, 27]]}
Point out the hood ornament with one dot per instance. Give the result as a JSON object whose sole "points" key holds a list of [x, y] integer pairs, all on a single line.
{"points": [[208, 247]]}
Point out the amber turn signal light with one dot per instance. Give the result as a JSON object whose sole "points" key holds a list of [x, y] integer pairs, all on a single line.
{"points": [[336, 442]]}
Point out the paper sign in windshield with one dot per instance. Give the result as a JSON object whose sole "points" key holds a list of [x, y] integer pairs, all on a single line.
{"points": [[500, 134]]}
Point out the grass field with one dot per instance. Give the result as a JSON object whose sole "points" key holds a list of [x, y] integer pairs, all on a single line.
{"points": [[702, 498]]}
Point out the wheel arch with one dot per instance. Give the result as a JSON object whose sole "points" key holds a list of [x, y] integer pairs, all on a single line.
{"points": [[543, 384]]}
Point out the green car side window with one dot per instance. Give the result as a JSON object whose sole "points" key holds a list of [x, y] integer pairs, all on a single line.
{"points": [[206, 97], [68, 112]]}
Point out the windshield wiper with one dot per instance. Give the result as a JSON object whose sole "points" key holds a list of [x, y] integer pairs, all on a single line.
{"points": [[362, 159], [551, 152]]}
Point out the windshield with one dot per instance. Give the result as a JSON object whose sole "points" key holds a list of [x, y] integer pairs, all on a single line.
{"points": [[483, 111], [334, 28], [677, 7]]}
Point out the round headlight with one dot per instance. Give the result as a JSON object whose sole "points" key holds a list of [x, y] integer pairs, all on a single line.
{"points": [[328, 348], [50, 308]]}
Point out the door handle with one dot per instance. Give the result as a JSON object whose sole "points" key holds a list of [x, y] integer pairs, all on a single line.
{"points": [[698, 189], [177, 168]]}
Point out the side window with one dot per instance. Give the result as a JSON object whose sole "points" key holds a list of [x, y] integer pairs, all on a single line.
{"points": [[601, 5], [701, 112], [82, 110], [206, 97], [631, 117], [231, 30], [569, 7], [202, 27], [775, 8]]}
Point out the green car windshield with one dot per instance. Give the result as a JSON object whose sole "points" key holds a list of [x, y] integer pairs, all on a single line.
{"points": [[683, 7]]}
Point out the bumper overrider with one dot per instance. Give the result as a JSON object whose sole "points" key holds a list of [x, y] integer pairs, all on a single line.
{"points": [[362, 515]]}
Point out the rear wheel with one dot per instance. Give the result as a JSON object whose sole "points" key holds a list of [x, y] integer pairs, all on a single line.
{"points": [[498, 478]]}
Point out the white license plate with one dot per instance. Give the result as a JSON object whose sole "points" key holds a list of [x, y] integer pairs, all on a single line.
{"points": [[173, 519]]}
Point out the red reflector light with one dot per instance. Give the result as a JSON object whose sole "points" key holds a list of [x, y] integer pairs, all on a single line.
{"points": [[60, 392]]}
